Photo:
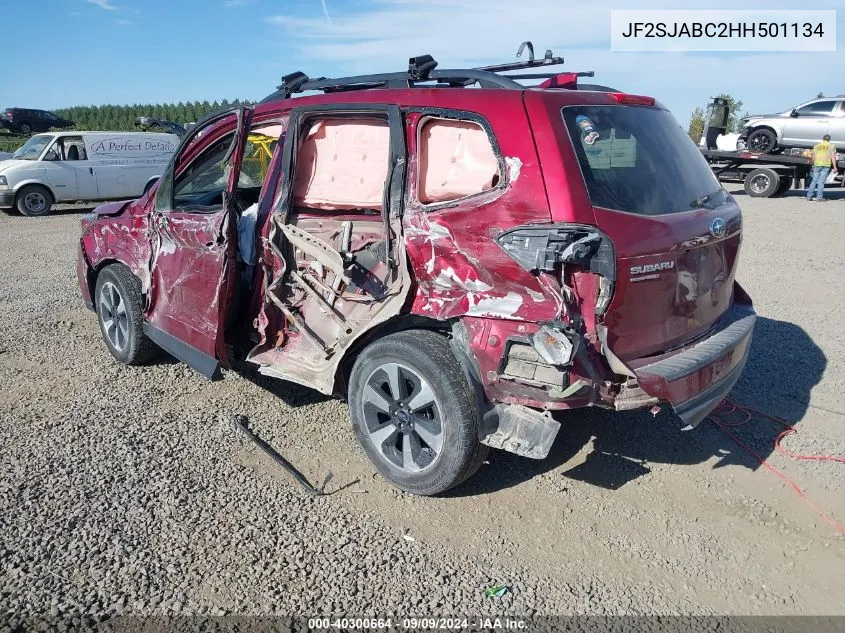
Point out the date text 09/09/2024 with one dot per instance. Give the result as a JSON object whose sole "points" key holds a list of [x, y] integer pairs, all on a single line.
{"points": [[415, 624], [723, 29]]}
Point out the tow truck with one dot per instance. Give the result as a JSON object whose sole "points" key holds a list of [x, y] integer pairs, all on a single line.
{"points": [[762, 175]]}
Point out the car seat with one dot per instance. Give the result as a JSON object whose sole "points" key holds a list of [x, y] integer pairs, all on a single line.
{"points": [[72, 153]]}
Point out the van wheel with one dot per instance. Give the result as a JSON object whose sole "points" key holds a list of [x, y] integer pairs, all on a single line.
{"points": [[414, 412], [762, 183], [34, 200], [118, 301]]}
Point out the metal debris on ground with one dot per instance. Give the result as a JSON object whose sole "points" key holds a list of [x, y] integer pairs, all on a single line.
{"points": [[241, 423]]}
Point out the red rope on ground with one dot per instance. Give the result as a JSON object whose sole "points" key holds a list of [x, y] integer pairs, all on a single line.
{"points": [[730, 408]]}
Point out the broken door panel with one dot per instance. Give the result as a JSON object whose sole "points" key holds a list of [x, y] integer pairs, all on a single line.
{"points": [[334, 267]]}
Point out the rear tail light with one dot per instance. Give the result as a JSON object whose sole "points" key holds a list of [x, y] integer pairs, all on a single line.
{"points": [[10, 115], [545, 247], [627, 99]]}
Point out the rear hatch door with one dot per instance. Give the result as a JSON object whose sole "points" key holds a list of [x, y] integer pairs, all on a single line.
{"points": [[675, 231]]}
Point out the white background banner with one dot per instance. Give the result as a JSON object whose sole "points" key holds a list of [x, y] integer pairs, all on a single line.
{"points": [[723, 31]]}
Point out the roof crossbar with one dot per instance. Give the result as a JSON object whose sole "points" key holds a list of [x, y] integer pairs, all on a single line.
{"points": [[548, 60], [422, 71], [392, 80], [590, 73]]}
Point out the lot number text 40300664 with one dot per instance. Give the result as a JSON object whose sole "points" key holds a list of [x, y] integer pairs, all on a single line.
{"points": [[415, 624]]}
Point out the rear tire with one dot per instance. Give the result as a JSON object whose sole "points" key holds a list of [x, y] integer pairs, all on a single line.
{"points": [[34, 201], [25, 129], [761, 141], [414, 413], [785, 185], [762, 183], [118, 301]]}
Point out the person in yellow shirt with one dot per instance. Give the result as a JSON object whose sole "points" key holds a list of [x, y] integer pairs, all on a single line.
{"points": [[824, 159]]}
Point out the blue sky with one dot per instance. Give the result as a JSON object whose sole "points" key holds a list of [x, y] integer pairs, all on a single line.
{"points": [[79, 52]]}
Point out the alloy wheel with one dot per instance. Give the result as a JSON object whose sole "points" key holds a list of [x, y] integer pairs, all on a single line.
{"points": [[113, 316], [759, 143], [402, 417]]}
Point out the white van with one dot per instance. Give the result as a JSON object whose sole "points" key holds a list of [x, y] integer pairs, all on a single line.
{"points": [[70, 166]]}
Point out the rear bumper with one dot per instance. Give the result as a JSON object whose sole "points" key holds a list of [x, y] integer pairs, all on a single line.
{"points": [[695, 380]]}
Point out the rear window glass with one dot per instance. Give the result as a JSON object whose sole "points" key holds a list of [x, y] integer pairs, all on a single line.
{"points": [[639, 160]]}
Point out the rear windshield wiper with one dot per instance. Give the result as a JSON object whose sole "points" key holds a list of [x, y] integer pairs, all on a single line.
{"points": [[700, 202]]}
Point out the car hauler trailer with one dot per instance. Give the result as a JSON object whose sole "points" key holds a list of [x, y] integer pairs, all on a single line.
{"points": [[762, 175]]}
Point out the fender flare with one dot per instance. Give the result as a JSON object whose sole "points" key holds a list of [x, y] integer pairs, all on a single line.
{"points": [[119, 256], [766, 126], [32, 181]]}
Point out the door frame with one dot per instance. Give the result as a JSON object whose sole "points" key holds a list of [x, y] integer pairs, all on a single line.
{"points": [[292, 145], [394, 191], [320, 373]]}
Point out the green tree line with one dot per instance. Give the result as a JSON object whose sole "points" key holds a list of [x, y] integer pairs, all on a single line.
{"points": [[123, 117]]}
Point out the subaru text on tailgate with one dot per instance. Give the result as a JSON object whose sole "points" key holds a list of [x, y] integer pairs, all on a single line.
{"points": [[457, 264]]}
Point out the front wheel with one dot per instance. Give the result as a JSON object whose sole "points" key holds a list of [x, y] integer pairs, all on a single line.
{"points": [[34, 201], [119, 303], [762, 141], [414, 412]]}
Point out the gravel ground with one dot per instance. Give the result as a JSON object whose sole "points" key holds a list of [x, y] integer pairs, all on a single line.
{"points": [[128, 491]]}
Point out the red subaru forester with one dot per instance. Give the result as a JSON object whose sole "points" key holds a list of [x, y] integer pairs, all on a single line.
{"points": [[456, 254]]}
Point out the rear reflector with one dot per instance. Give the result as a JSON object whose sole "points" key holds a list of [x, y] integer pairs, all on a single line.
{"points": [[620, 97]]}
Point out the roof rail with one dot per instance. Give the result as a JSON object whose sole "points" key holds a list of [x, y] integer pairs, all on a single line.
{"points": [[422, 72]]}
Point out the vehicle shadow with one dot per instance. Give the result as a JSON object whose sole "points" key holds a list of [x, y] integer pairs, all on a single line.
{"points": [[784, 365], [73, 209], [57, 210]]}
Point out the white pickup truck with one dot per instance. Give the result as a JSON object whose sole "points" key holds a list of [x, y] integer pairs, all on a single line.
{"points": [[70, 166]]}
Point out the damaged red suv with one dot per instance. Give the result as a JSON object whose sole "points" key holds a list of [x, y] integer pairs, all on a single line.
{"points": [[454, 253]]}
